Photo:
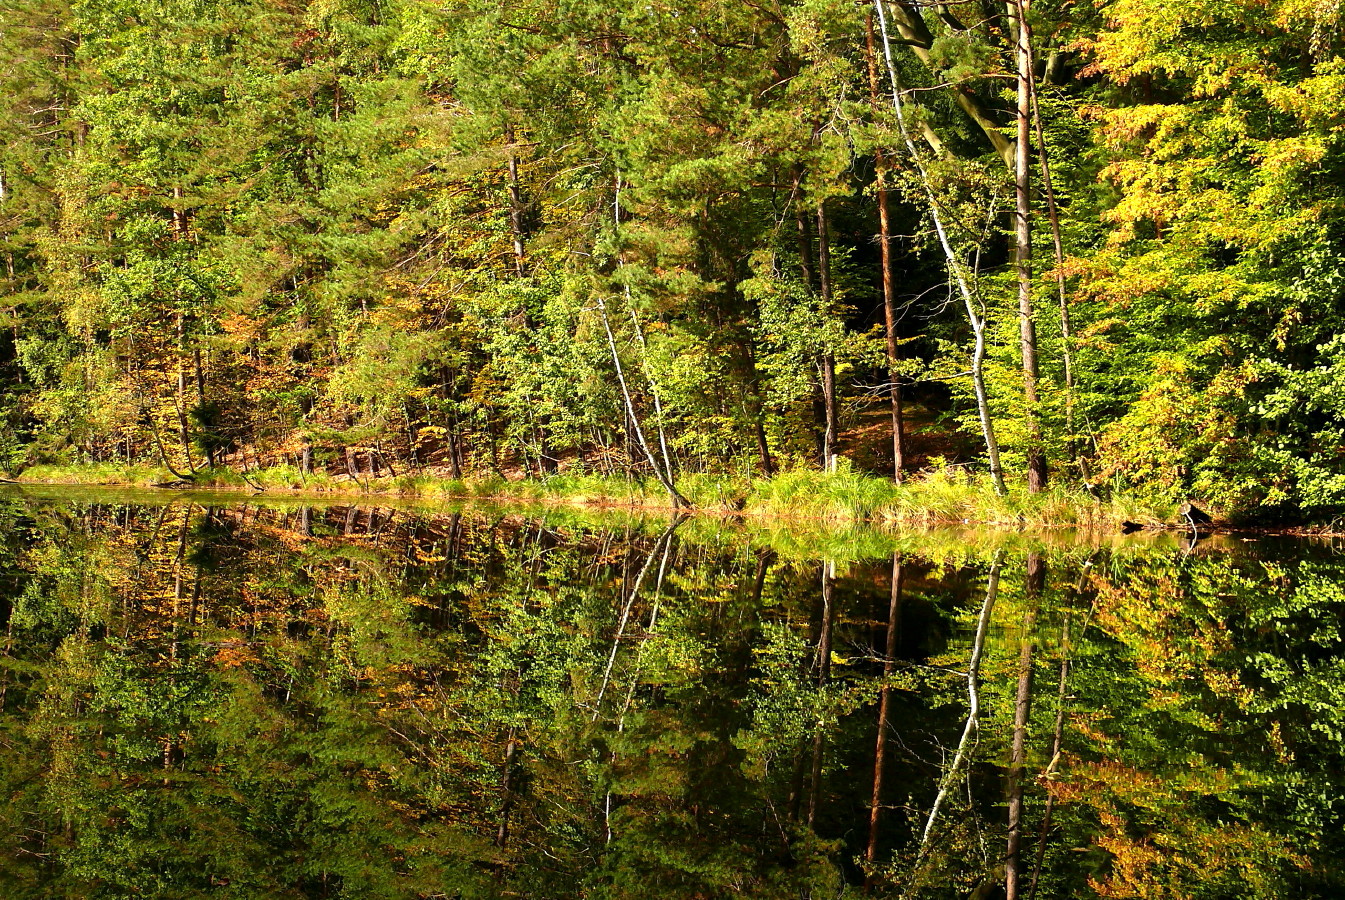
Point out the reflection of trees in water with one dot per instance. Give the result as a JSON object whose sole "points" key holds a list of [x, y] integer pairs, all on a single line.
{"points": [[363, 702]]}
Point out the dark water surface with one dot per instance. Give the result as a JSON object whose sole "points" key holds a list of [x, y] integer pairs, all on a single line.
{"points": [[207, 697]]}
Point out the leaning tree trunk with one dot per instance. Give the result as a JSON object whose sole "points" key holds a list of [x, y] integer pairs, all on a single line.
{"points": [[969, 299]]}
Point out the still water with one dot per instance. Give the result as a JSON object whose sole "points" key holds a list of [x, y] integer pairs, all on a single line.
{"points": [[207, 697]]}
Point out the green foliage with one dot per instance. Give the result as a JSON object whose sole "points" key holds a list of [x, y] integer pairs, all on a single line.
{"points": [[212, 697], [361, 239]]}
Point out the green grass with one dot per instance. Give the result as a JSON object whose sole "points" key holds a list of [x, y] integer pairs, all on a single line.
{"points": [[98, 473], [942, 497]]}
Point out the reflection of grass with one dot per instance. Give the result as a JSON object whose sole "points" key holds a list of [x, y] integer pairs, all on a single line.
{"points": [[939, 498]]}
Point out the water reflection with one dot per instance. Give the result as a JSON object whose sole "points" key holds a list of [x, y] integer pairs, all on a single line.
{"points": [[233, 700]]}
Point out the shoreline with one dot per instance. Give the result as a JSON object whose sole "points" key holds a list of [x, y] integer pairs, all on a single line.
{"points": [[942, 498], [1052, 511]]}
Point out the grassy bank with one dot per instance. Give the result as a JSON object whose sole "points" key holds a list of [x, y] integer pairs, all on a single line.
{"points": [[938, 498]]}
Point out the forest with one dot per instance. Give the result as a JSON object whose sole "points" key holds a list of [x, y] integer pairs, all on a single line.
{"points": [[1044, 243]]}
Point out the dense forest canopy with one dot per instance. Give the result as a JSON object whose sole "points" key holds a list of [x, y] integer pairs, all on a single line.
{"points": [[1100, 241]]}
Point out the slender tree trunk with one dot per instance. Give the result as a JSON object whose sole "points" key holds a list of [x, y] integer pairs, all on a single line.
{"points": [[654, 393], [664, 473], [949, 778], [1022, 177], [454, 442], [970, 299], [889, 288], [884, 703], [163, 456], [807, 270], [506, 791], [1066, 328], [763, 447], [1057, 740], [1022, 707], [515, 205], [184, 434], [828, 362], [823, 676], [200, 400], [636, 431]]}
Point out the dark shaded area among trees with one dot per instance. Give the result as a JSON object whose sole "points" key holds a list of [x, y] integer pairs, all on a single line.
{"points": [[694, 236]]}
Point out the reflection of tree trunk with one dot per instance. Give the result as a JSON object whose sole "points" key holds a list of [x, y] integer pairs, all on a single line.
{"points": [[507, 801], [9, 647], [949, 778], [884, 701], [179, 560], [625, 612], [665, 543], [823, 675], [1056, 742], [1022, 706], [759, 582]]}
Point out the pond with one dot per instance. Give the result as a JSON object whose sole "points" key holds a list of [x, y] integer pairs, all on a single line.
{"points": [[220, 697]]}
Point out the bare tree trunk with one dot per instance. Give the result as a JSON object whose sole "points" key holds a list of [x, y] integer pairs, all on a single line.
{"points": [[209, 442], [889, 289], [763, 447], [180, 400], [454, 443], [664, 473], [515, 206], [970, 300], [653, 389], [637, 431], [1066, 329], [1022, 178], [807, 270], [828, 362]]}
